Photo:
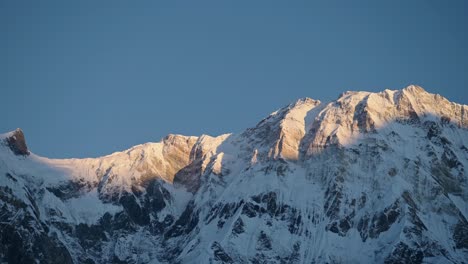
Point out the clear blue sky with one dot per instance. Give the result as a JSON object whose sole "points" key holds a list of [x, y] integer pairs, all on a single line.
{"points": [[87, 78]]}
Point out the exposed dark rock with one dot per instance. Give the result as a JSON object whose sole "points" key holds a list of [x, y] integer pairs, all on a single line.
{"points": [[159, 227], [136, 213], [280, 167], [264, 242], [344, 225], [362, 201], [17, 143], [116, 260], [90, 236], [460, 233], [433, 129], [445, 120], [186, 222], [340, 227], [23, 239], [13, 249], [295, 222], [238, 227], [9, 176], [213, 213], [251, 210], [51, 250], [222, 212], [392, 172], [382, 221], [7, 196], [71, 189], [270, 200], [450, 159], [155, 196], [219, 253], [333, 196], [333, 227], [122, 221], [363, 227], [227, 212], [402, 253], [88, 261], [295, 256], [407, 197]]}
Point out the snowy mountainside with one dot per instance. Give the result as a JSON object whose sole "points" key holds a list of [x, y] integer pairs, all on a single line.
{"points": [[366, 178]]}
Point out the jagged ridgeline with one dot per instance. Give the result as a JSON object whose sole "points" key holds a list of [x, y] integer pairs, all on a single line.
{"points": [[367, 178]]}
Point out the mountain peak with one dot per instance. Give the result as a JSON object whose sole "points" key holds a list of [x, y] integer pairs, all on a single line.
{"points": [[414, 89], [17, 143], [305, 100]]}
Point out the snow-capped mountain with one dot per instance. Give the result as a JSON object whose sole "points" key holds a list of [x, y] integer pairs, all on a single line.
{"points": [[367, 178]]}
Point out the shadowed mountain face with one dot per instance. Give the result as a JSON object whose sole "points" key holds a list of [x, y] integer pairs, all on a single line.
{"points": [[367, 178]]}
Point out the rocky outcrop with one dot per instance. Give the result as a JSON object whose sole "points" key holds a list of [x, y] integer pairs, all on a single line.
{"points": [[17, 142]]}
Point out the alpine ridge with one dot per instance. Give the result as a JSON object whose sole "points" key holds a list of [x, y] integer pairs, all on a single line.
{"points": [[366, 178]]}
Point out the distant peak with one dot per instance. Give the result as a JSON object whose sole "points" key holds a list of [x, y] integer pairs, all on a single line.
{"points": [[306, 100], [174, 137], [302, 102], [17, 142], [352, 94], [414, 89]]}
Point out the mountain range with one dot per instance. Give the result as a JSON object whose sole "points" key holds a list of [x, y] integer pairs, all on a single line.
{"points": [[366, 178]]}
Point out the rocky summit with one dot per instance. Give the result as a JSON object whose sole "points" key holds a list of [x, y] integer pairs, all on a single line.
{"points": [[366, 178]]}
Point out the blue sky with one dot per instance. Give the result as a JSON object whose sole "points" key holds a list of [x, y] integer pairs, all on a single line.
{"points": [[87, 78]]}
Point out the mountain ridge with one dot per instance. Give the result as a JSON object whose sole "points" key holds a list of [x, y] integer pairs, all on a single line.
{"points": [[411, 90], [379, 174]]}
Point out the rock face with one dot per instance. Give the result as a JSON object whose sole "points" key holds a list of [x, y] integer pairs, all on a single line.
{"points": [[17, 143], [367, 178]]}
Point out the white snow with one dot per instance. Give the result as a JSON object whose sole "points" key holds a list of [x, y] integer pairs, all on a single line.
{"points": [[88, 208]]}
